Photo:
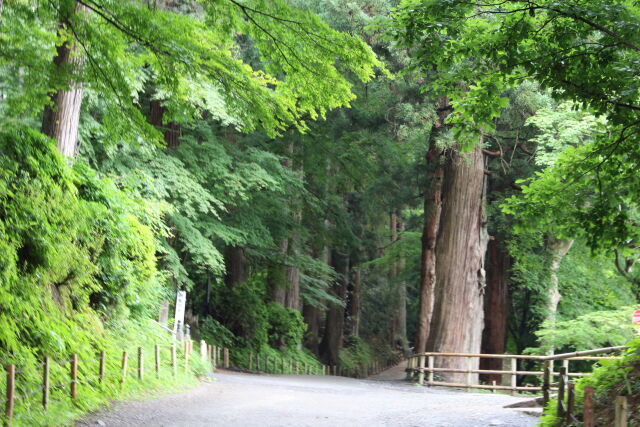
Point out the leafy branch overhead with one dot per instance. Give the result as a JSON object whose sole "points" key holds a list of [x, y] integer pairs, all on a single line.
{"points": [[194, 58]]}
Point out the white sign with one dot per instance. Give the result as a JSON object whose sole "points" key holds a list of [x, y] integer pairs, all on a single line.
{"points": [[181, 300]]}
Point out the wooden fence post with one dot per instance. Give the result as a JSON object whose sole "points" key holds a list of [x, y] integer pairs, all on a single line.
{"points": [[587, 412], [621, 407], [157, 361], [469, 374], [103, 357], [125, 357], [514, 376], [421, 370], [297, 367], [10, 394], [251, 361], [561, 388], [571, 396], [546, 382], [284, 367], [174, 362], [140, 363], [215, 357], [45, 383], [226, 358], [73, 390], [431, 363]]}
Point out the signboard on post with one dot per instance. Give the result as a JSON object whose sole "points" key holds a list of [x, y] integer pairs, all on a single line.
{"points": [[181, 300], [636, 317]]}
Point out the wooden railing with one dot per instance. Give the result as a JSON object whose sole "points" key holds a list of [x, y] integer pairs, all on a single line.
{"points": [[165, 362], [424, 364]]}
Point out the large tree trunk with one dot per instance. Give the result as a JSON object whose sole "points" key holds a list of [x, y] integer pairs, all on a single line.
{"points": [[432, 212], [494, 335], [457, 321], [558, 249], [237, 267], [334, 326], [61, 118], [312, 317]]}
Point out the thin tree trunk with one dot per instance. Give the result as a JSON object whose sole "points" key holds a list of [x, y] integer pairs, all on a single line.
{"points": [[356, 297], [559, 249], [61, 119], [457, 321], [402, 300], [496, 312], [432, 213], [393, 272]]}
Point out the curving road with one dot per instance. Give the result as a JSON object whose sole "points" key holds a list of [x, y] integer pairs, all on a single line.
{"points": [[235, 399]]}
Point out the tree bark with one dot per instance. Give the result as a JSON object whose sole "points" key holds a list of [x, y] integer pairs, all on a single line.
{"points": [[334, 326], [61, 118], [432, 213], [496, 312], [312, 317], [237, 267], [457, 320], [558, 249]]}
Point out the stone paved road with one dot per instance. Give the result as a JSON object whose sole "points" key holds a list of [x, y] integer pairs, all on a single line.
{"points": [[235, 399]]}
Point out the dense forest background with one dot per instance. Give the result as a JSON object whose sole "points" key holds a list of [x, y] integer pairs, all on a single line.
{"points": [[344, 179]]}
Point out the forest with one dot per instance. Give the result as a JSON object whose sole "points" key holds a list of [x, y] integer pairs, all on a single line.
{"points": [[341, 181]]}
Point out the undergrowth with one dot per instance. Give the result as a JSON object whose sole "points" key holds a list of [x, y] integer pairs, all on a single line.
{"points": [[610, 379]]}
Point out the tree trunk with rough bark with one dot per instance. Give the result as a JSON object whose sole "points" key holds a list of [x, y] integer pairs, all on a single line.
{"points": [[432, 213], [61, 118], [496, 312], [457, 320]]}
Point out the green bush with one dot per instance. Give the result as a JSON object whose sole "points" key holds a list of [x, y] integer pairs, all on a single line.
{"points": [[214, 332], [286, 326]]}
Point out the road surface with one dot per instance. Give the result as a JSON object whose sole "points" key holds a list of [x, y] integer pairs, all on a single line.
{"points": [[237, 399]]}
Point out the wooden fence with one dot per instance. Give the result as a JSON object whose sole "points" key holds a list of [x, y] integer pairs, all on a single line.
{"points": [[259, 362], [208, 353], [423, 364]]}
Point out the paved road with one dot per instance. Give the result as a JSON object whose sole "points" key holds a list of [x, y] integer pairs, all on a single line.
{"points": [[234, 399]]}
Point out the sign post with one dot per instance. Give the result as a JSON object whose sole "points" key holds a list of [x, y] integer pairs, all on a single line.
{"points": [[178, 323]]}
